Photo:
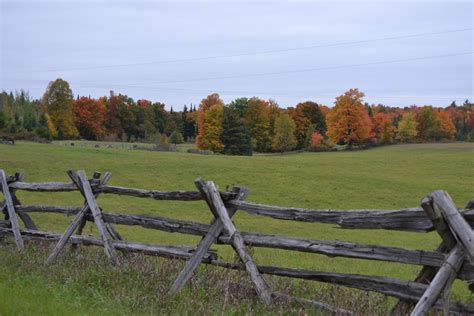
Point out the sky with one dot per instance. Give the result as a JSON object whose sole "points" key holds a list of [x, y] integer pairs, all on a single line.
{"points": [[177, 52]]}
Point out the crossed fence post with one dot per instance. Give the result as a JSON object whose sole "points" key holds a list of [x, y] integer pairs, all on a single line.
{"points": [[79, 178], [11, 211], [458, 245], [9, 207], [222, 222]]}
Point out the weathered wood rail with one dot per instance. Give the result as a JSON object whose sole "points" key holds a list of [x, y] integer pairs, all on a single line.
{"points": [[452, 259]]}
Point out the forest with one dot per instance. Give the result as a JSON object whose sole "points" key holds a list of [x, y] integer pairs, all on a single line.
{"points": [[243, 126]]}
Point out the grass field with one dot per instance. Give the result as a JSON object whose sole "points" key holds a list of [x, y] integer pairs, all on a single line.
{"points": [[120, 145], [386, 177]]}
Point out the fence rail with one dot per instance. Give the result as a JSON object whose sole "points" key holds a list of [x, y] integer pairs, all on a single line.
{"points": [[429, 290]]}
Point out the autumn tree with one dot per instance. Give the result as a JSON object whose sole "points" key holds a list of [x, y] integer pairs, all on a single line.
{"points": [[305, 115], [284, 139], [273, 113], [112, 121], [235, 136], [407, 128], [57, 101], [89, 117], [316, 139], [383, 127], [428, 123], [446, 125], [210, 116], [348, 122], [258, 122], [459, 115]]}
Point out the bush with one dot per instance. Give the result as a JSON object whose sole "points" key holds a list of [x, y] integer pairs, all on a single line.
{"points": [[176, 138], [318, 143], [200, 151], [43, 132]]}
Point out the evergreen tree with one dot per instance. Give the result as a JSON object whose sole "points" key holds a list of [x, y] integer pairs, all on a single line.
{"points": [[240, 105], [235, 136]]}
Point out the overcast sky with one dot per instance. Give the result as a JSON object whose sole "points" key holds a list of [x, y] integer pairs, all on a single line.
{"points": [[178, 52]]}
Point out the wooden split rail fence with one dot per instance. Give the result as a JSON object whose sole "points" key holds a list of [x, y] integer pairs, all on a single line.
{"points": [[439, 268]]}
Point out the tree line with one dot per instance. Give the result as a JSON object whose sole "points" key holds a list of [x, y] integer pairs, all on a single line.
{"points": [[243, 126]]}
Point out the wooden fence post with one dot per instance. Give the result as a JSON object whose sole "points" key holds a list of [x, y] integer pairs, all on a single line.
{"points": [[11, 211], [207, 241], [448, 242], [25, 218], [456, 234], [214, 199], [80, 179], [441, 282], [110, 228], [97, 215], [457, 223]]}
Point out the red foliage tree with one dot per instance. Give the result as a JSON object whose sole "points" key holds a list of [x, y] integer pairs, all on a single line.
{"points": [[316, 139], [145, 104], [89, 117]]}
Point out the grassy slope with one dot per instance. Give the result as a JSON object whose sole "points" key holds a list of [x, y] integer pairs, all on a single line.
{"points": [[388, 177]]}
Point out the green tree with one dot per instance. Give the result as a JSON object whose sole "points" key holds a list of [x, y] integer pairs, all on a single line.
{"points": [[240, 105], [284, 139], [235, 136], [58, 103], [176, 138], [189, 124], [3, 120]]}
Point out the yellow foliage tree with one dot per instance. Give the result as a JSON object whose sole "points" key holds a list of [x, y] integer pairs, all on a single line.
{"points": [[210, 116], [407, 128], [58, 103]]}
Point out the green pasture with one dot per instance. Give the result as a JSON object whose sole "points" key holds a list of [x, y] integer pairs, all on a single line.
{"points": [[390, 177]]}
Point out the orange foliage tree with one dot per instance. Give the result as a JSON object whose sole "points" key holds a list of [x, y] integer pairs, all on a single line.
{"points": [[446, 124], [434, 124], [348, 122], [89, 117], [383, 127]]}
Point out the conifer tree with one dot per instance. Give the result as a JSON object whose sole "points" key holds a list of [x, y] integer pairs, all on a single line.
{"points": [[235, 136]]}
